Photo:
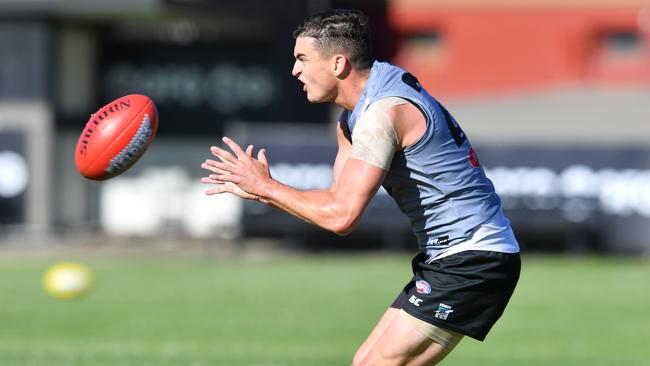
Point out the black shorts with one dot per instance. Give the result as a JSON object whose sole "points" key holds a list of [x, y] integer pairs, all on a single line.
{"points": [[465, 292]]}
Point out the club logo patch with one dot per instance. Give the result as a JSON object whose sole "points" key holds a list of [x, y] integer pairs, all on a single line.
{"points": [[443, 311], [423, 287]]}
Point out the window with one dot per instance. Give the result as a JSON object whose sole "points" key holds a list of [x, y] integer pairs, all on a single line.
{"points": [[621, 43]]}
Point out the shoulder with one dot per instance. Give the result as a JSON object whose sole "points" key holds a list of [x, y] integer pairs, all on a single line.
{"points": [[396, 108], [404, 116]]}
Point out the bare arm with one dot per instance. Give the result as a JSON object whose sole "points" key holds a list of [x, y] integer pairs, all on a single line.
{"points": [[337, 209]]}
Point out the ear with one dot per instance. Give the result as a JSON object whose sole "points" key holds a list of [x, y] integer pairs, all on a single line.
{"points": [[340, 65]]}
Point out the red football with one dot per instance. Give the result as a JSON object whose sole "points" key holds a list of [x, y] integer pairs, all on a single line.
{"points": [[116, 136]]}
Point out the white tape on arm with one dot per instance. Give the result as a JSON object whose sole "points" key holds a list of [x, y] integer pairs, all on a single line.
{"points": [[374, 139]]}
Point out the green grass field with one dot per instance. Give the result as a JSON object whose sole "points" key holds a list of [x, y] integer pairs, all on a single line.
{"points": [[304, 311]]}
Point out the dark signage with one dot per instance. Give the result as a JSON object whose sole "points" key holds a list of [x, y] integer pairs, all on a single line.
{"points": [[556, 199], [590, 198], [200, 86]]}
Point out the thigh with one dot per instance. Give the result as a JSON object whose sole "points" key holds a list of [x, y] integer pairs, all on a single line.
{"points": [[401, 343], [380, 328]]}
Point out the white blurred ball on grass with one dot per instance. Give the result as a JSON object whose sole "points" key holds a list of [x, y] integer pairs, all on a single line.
{"points": [[68, 280]]}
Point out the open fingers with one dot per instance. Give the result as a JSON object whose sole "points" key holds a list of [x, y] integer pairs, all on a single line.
{"points": [[225, 178], [220, 188], [216, 167], [235, 147], [261, 156], [216, 164], [212, 179], [223, 155]]}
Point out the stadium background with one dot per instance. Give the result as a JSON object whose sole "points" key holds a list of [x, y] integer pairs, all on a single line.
{"points": [[555, 97]]}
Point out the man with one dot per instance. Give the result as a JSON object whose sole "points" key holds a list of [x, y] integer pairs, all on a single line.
{"points": [[392, 132]]}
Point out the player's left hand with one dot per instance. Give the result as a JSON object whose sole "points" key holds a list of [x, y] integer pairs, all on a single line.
{"points": [[240, 174]]}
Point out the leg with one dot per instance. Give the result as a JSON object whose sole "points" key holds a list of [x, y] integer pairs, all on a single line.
{"points": [[399, 339], [379, 329]]}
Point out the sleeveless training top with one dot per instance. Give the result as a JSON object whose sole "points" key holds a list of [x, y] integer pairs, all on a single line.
{"points": [[437, 182]]}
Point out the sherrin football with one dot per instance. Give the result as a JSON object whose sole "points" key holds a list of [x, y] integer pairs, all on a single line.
{"points": [[116, 136]]}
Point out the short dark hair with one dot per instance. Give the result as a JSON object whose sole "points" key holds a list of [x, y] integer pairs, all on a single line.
{"points": [[340, 31]]}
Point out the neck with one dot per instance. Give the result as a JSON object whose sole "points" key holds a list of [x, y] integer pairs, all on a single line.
{"points": [[351, 87]]}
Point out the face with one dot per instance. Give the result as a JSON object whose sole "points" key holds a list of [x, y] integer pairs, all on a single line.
{"points": [[314, 71]]}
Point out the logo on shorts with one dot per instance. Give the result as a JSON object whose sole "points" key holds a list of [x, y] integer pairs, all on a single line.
{"points": [[423, 287], [415, 300], [443, 311]]}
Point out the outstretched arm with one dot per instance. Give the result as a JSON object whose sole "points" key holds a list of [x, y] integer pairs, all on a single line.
{"points": [[337, 209]]}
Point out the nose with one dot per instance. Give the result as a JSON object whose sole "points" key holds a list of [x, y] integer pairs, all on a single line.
{"points": [[296, 69]]}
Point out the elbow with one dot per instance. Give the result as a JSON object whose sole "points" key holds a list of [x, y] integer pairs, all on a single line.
{"points": [[345, 225], [342, 231], [342, 217]]}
